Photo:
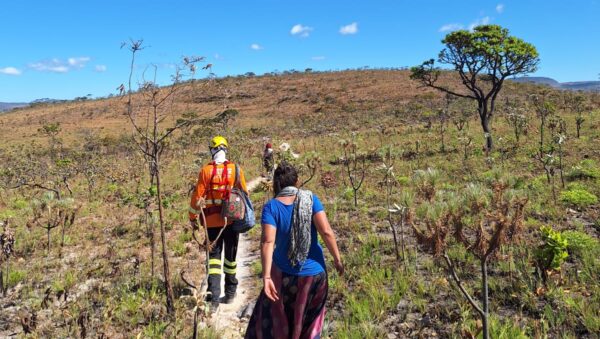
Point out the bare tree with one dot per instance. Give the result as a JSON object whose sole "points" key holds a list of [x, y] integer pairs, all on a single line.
{"points": [[312, 164], [389, 182], [355, 167], [549, 151], [577, 104], [49, 212], [147, 116], [516, 118]]}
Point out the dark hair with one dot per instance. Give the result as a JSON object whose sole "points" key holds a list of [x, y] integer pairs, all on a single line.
{"points": [[285, 175]]}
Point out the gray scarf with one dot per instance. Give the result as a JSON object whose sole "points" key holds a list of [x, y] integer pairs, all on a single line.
{"points": [[301, 224]]}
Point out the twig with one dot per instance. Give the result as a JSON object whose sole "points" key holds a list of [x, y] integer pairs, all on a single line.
{"points": [[461, 287]]}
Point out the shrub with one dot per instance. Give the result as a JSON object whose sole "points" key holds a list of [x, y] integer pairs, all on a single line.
{"points": [[403, 181], [553, 252], [20, 204], [156, 329], [578, 197], [579, 242], [586, 169]]}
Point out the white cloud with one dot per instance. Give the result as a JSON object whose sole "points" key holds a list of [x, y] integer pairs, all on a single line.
{"points": [[451, 27], [10, 71], [59, 66], [456, 26], [78, 62], [218, 56], [100, 68], [349, 29], [318, 58], [479, 22], [256, 47], [500, 8], [300, 30]]}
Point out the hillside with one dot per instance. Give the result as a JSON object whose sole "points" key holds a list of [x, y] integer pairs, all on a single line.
{"points": [[261, 101], [6, 106], [574, 86], [430, 196]]}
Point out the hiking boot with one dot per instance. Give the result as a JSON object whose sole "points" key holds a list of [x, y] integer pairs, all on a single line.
{"points": [[228, 298]]}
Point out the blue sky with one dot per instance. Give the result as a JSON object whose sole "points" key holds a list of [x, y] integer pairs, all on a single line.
{"points": [[64, 49]]}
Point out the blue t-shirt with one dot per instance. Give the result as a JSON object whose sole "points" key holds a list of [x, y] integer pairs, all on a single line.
{"points": [[279, 215]]}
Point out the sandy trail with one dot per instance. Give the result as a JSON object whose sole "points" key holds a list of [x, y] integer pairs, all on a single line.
{"points": [[253, 184], [231, 320]]}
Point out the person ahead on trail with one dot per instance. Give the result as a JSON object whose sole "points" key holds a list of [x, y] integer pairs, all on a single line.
{"points": [[214, 184], [292, 303], [268, 159]]}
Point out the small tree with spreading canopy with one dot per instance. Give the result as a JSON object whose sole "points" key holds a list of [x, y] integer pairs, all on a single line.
{"points": [[483, 58]]}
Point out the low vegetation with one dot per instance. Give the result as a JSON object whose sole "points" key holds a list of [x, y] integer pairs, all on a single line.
{"points": [[440, 236]]}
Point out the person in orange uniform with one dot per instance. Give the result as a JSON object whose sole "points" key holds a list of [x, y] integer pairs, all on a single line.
{"points": [[214, 184]]}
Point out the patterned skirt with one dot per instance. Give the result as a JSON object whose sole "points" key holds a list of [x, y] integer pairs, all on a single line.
{"points": [[299, 312]]}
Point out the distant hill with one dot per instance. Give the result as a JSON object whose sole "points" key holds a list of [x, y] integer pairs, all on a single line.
{"points": [[7, 106], [575, 86]]}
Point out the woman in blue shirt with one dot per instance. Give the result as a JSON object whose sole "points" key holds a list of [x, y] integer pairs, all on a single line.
{"points": [[292, 303]]}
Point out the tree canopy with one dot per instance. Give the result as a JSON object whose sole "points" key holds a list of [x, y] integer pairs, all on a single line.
{"points": [[483, 59]]}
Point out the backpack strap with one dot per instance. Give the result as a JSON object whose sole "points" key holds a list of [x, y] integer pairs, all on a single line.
{"points": [[237, 176]]}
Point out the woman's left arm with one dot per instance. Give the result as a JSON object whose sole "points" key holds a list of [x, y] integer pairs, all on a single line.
{"points": [[324, 229], [267, 245]]}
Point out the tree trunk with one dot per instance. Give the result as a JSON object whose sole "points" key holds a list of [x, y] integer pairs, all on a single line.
{"points": [[442, 131], [150, 225], [48, 232], [62, 240], [485, 124], [167, 275], [560, 166], [484, 299], [389, 192], [402, 237]]}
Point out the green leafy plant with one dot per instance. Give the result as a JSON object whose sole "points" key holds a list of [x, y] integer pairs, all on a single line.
{"points": [[552, 252], [578, 197]]}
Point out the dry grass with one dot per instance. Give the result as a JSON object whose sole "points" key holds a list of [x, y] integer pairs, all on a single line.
{"points": [[259, 100]]}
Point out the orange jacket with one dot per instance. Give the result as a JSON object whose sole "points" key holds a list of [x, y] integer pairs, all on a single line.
{"points": [[212, 187]]}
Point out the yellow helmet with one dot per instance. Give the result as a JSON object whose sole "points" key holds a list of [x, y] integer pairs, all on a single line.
{"points": [[218, 141]]}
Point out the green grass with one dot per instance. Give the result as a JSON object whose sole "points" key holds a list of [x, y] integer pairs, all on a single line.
{"points": [[578, 197], [15, 277]]}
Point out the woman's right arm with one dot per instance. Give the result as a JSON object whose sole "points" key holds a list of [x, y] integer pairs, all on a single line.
{"points": [[328, 236]]}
